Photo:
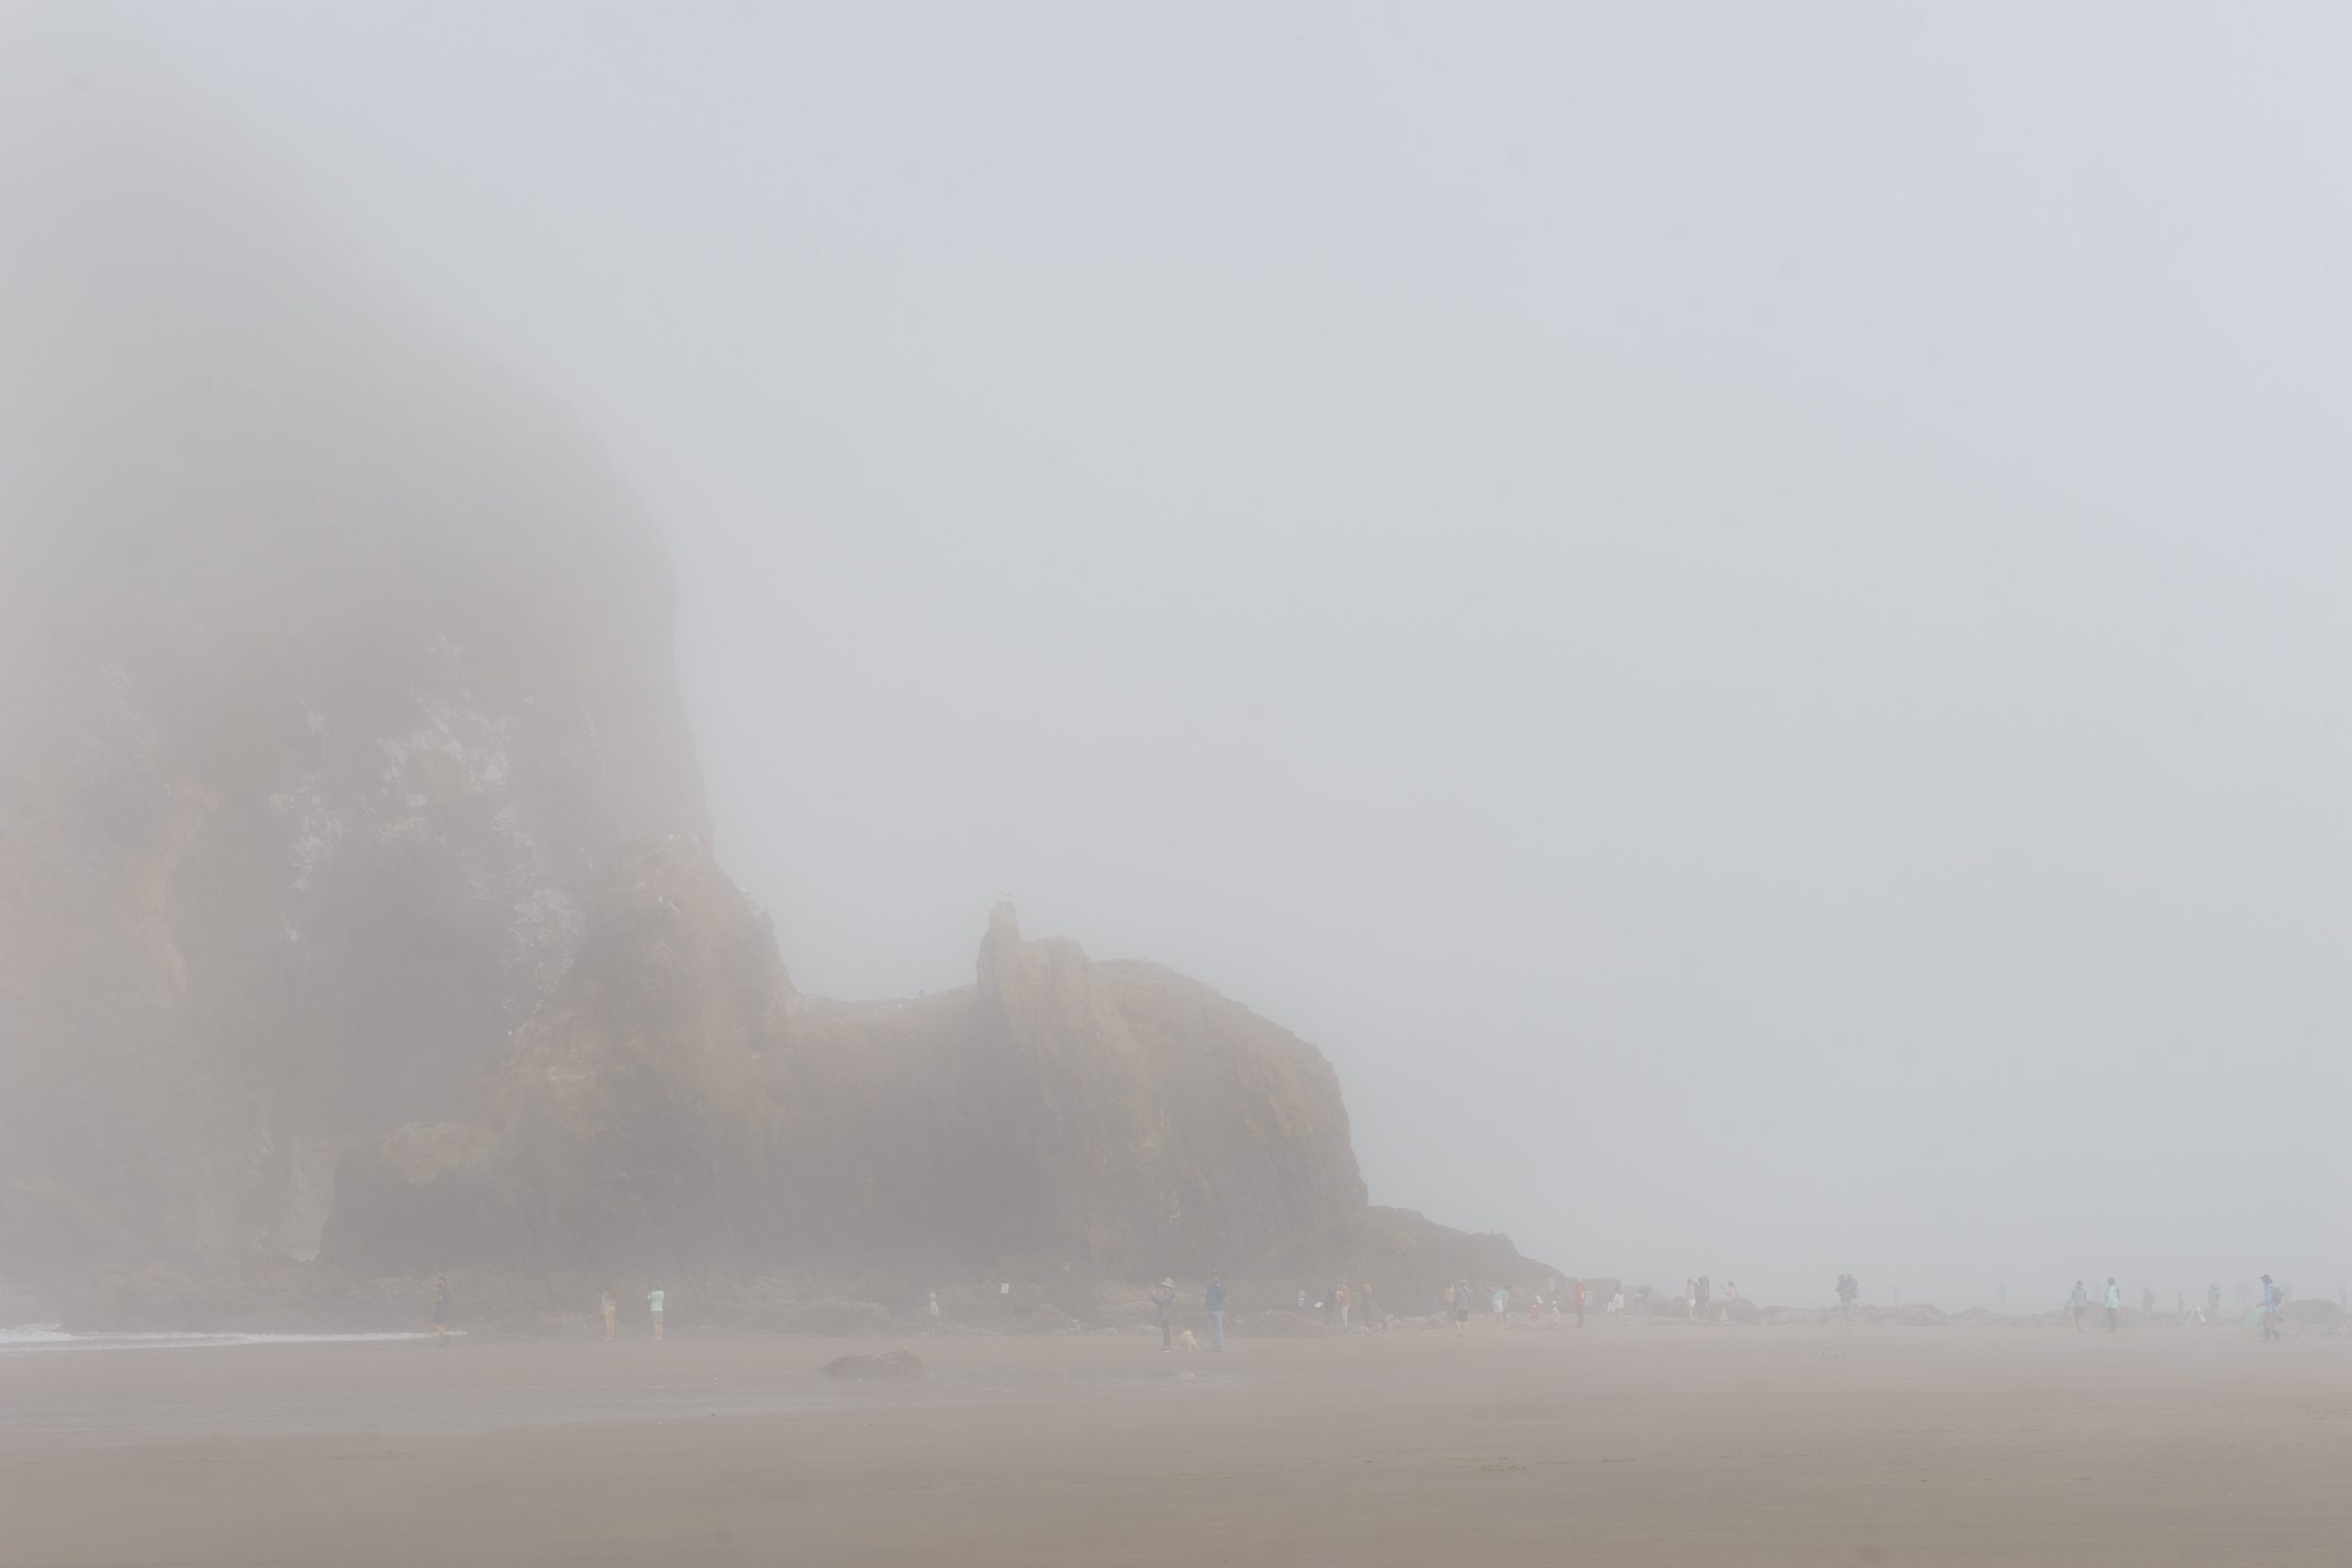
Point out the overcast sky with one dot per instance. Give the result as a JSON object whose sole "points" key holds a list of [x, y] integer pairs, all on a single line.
{"points": [[1739, 609]]}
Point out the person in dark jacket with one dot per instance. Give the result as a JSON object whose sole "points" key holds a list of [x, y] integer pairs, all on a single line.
{"points": [[1215, 1301]]}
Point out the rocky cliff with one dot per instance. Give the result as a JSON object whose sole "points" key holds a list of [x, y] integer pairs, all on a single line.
{"points": [[354, 886], [333, 669], [677, 1105]]}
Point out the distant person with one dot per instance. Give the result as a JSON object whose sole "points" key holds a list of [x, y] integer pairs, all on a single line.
{"points": [[1346, 1300], [2114, 1304], [2078, 1303], [1368, 1311], [1579, 1285], [2272, 1297], [931, 1310], [653, 1299], [612, 1306], [441, 1306], [1706, 1294], [1555, 1310], [1502, 1305], [1215, 1301], [2212, 1301], [1461, 1293], [1730, 1302], [1164, 1299], [1691, 1300], [2147, 1300]]}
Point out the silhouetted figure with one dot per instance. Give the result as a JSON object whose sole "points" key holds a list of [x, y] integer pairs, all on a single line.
{"points": [[2114, 1304], [2271, 1298], [1164, 1298], [2078, 1303], [441, 1306], [1215, 1301]]}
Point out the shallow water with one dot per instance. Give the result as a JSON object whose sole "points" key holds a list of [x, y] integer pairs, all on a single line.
{"points": [[50, 1336]]}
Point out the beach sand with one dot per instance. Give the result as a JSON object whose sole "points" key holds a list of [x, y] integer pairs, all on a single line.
{"points": [[1621, 1445]]}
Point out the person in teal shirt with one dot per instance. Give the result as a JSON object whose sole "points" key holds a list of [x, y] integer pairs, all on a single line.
{"points": [[2114, 1304], [653, 1300]]}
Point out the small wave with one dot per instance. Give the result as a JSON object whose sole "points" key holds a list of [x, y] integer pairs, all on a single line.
{"points": [[51, 1337]]}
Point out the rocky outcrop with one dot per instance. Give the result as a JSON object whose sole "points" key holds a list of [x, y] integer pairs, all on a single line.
{"points": [[334, 670], [677, 1105], [355, 883]]}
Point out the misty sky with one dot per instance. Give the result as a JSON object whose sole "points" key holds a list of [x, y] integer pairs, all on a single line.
{"points": [[1739, 610]]}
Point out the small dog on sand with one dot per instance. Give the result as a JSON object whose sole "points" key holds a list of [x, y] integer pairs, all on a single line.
{"points": [[1185, 1341]]}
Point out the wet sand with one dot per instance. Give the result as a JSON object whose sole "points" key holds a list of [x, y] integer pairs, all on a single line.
{"points": [[1624, 1446]]}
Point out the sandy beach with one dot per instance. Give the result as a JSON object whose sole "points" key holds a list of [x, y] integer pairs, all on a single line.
{"points": [[1641, 1444]]}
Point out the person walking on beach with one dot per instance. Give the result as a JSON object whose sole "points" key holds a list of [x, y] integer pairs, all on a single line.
{"points": [[441, 1306], [1579, 1289], [1341, 1296], [2212, 1301], [1691, 1300], [653, 1300], [1461, 1294], [611, 1307], [933, 1308], [1501, 1304], [2270, 1299], [2078, 1303], [2114, 1304], [1215, 1301], [1164, 1299]]}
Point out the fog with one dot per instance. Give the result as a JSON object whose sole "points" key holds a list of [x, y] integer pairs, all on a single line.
{"points": [[1737, 610]]}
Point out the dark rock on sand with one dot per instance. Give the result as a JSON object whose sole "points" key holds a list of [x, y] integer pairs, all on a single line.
{"points": [[886, 1365]]}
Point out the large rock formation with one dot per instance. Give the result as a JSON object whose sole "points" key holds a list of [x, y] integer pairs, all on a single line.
{"points": [[352, 853], [677, 1105], [333, 669]]}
